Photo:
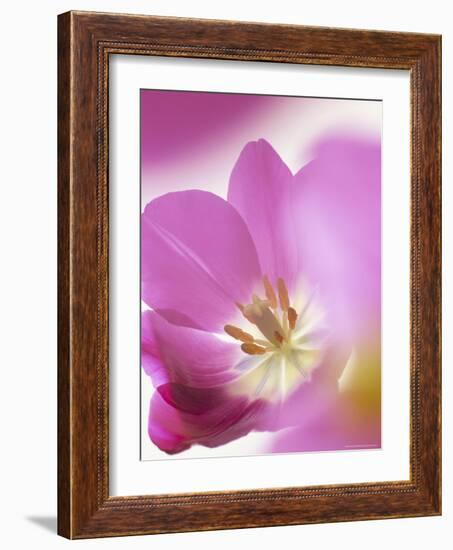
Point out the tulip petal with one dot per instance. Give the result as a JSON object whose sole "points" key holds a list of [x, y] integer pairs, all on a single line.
{"points": [[180, 417], [339, 423], [259, 189], [198, 259], [185, 356], [338, 205]]}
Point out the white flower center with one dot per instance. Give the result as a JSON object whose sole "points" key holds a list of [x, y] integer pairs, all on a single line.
{"points": [[281, 345]]}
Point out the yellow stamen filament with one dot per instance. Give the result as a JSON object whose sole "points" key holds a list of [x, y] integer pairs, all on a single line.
{"points": [[238, 334], [283, 294], [292, 318], [270, 293], [253, 349]]}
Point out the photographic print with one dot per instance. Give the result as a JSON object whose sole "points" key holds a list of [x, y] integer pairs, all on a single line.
{"points": [[260, 274], [249, 275]]}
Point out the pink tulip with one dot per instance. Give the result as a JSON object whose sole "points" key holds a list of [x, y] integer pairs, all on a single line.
{"points": [[256, 303]]}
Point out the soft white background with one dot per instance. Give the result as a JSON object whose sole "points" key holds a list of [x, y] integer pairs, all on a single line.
{"points": [[28, 274]]}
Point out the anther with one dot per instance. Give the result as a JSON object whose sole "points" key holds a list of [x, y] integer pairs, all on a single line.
{"points": [[278, 337], [283, 294], [253, 349], [270, 294], [292, 317], [238, 333]]}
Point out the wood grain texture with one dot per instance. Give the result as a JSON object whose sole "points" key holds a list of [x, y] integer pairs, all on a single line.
{"points": [[64, 369], [86, 40]]}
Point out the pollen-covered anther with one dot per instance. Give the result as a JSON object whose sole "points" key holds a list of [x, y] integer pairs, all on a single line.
{"points": [[253, 349], [283, 294], [238, 334], [292, 318], [278, 337], [270, 293]]}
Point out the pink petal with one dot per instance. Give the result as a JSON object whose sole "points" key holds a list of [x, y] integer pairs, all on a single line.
{"points": [[337, 205], [338, 425], [193, 373], [260, 190], [198, 259], [310, 400], [185, 356], [180, 417]]}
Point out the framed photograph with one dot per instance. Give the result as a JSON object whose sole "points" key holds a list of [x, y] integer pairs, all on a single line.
{"points": [[249, 275]]}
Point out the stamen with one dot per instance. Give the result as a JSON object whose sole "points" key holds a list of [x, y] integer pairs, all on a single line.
{"points": [[245, 310], [238, 333], [270, 294], [263, 317], [292, 317], [253, 349], [283, 294], [281, 347], [264, 343], [252, 312], [256, 299]]}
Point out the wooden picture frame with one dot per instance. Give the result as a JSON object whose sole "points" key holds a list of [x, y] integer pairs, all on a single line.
{"points": [[85, 42]]}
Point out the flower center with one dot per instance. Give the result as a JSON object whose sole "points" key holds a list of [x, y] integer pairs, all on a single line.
{"points": [[282, 345], [274, 318]]}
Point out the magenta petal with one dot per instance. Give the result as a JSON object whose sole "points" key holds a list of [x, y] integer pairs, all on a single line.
{"points": [[150, 355], [165, 428], [198, 259], [187, 399], [338, 204], [182, 355], [193, 373], [260, 190], [209, 417]]}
